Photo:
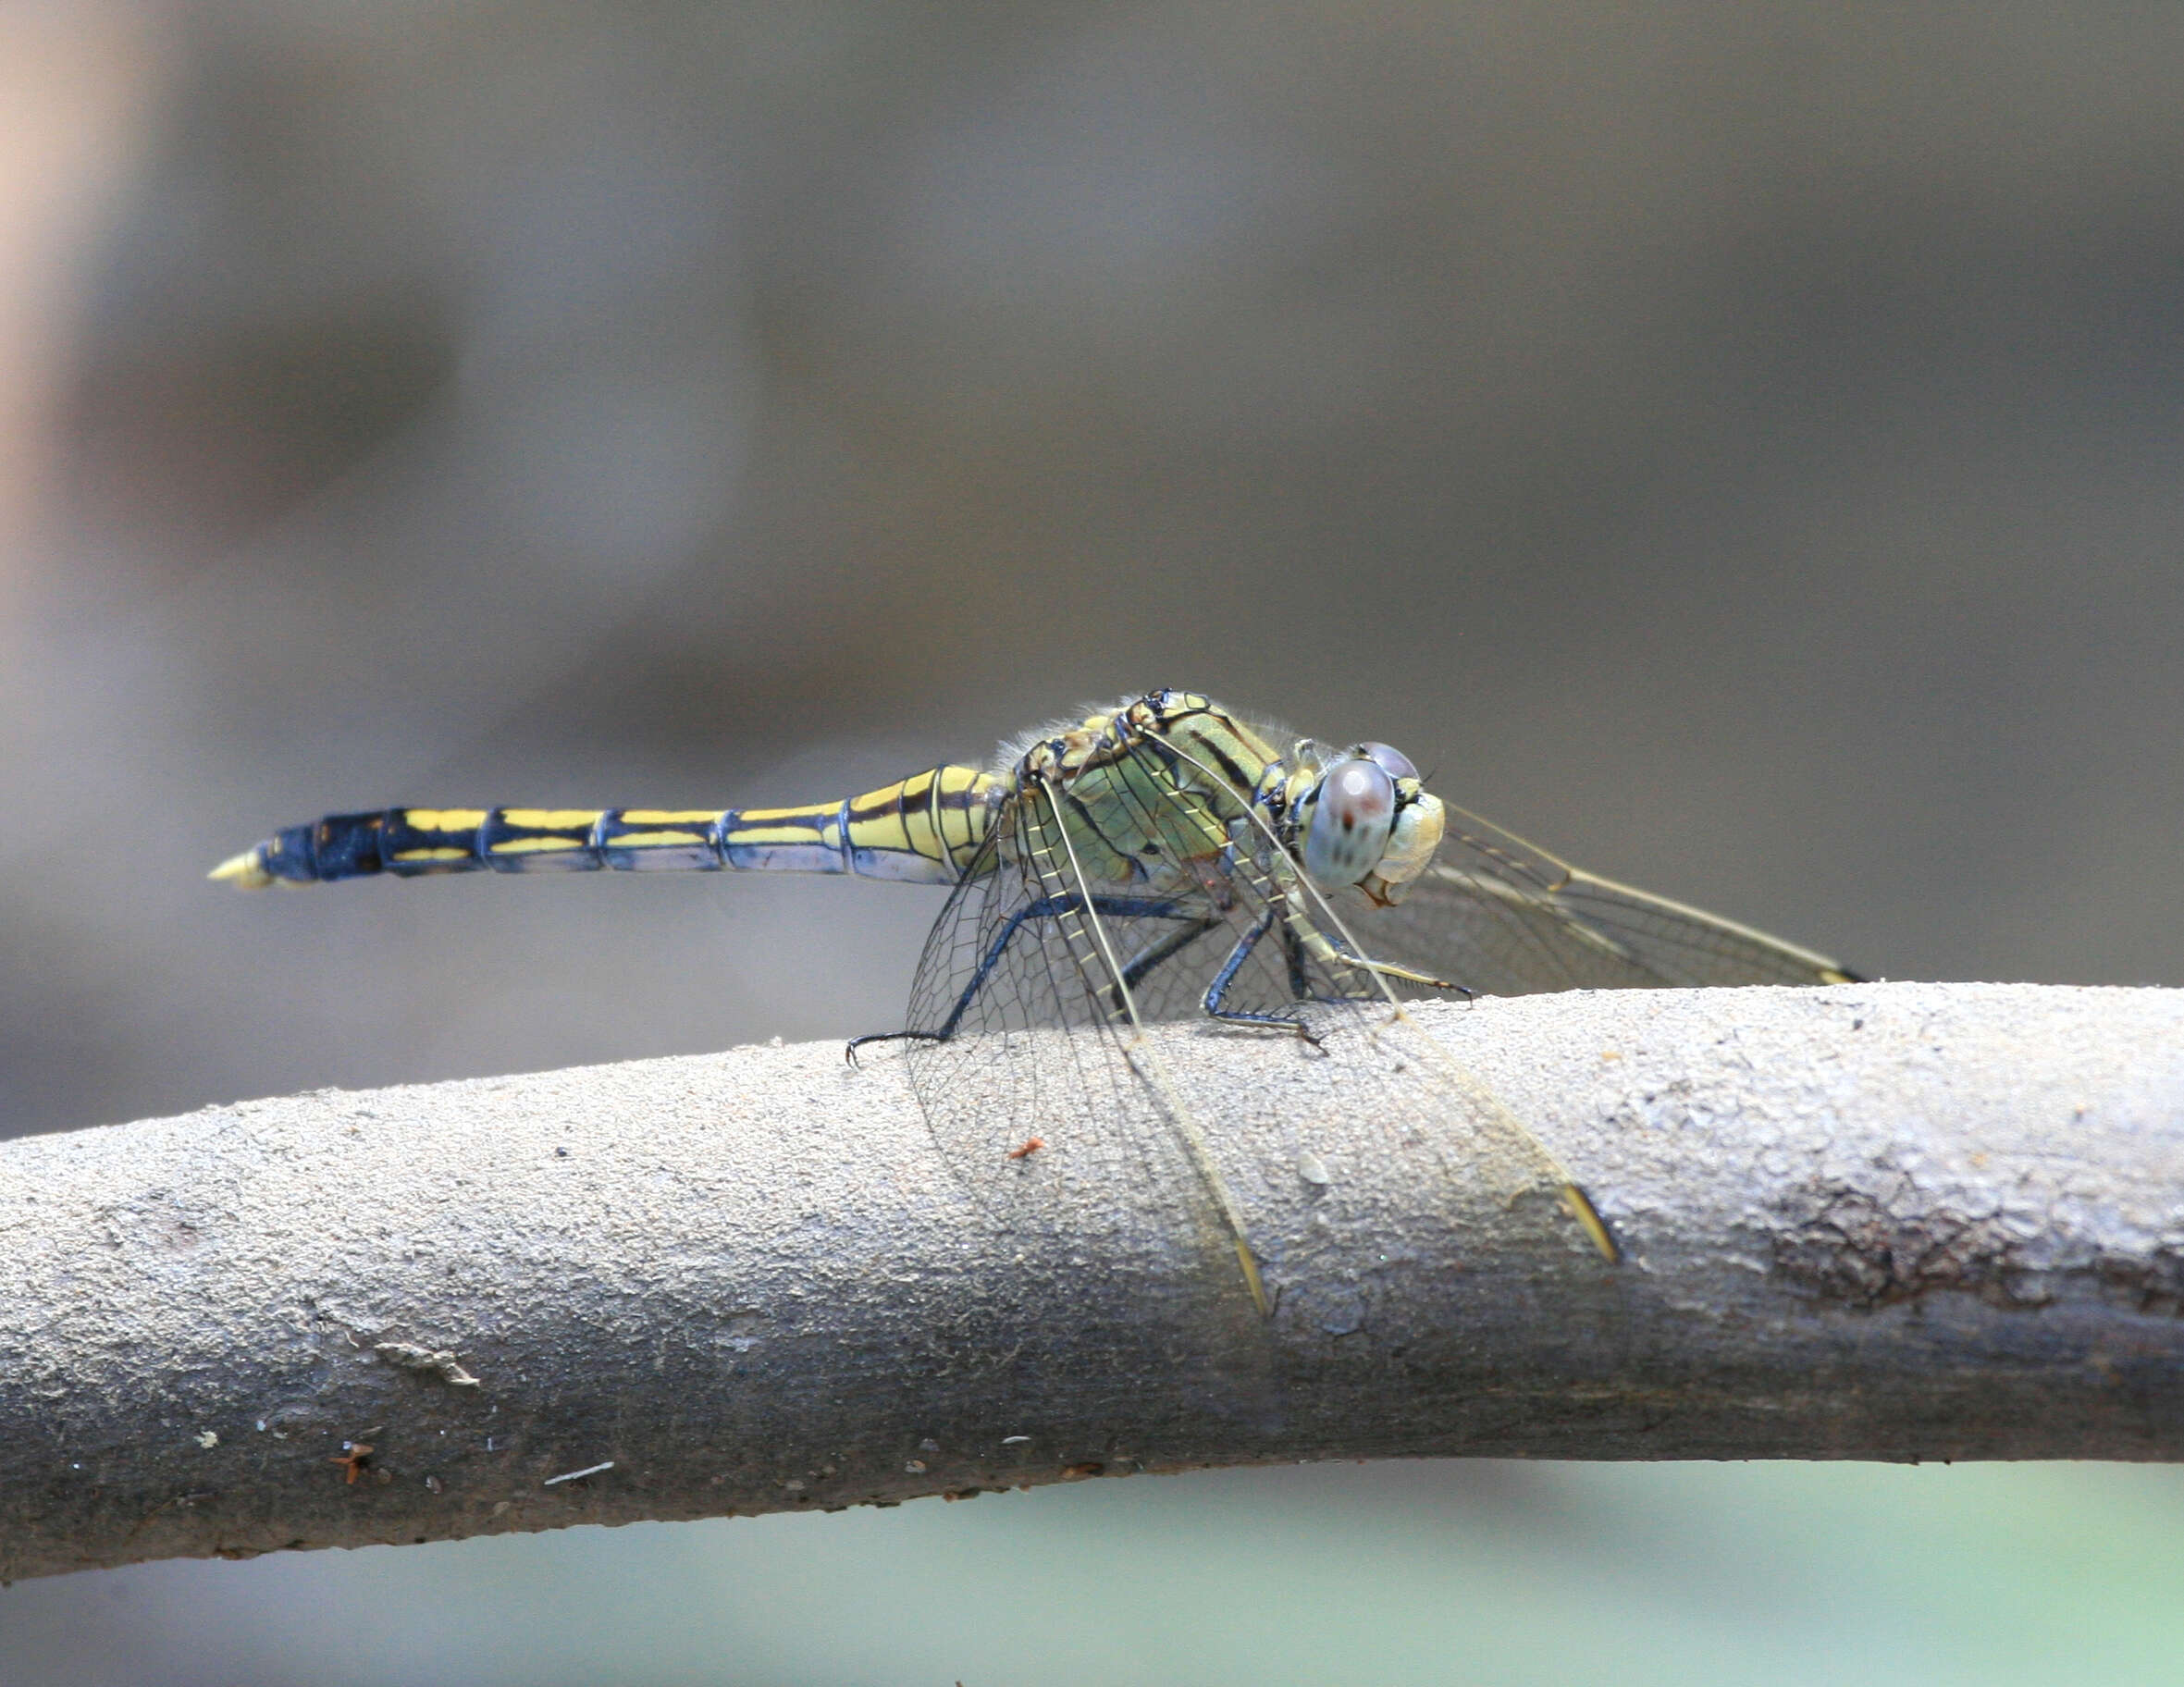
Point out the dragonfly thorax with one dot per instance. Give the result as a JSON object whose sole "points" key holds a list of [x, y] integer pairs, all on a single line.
{"points": [[1138, 795], [1154, 790]]}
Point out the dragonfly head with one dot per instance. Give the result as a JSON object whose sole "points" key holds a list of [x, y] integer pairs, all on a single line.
{"points": [[1367, 819]]}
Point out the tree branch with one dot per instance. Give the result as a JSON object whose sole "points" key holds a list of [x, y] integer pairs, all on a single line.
{"points": [[1877, 1220]]}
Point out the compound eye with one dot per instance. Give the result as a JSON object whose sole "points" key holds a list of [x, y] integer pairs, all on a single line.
{"points": [[1396, 764], [1352, 812]]}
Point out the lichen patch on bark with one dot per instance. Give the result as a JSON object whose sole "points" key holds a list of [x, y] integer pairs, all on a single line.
{"points": [[1863, 1251]]}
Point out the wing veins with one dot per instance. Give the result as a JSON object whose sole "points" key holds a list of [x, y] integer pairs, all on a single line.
{"points": [[1510, 1127], [1146, 1058]]}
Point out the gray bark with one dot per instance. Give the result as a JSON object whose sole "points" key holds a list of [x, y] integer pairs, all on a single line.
{"points": [[1876, 1221]]}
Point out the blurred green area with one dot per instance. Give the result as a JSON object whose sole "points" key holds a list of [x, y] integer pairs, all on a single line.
{"points": [[1474, 1572], [1739, 446]]}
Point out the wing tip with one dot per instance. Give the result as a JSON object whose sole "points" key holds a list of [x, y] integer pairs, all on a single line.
{"points": [[1589, 1220], [1251, 1279]]}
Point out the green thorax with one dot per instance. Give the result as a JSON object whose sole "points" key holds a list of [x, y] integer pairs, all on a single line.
{"points": [[1147, 792]]}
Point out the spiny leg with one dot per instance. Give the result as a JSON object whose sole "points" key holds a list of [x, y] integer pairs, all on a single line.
{"points": [[1216, 993], [1389, 970], [1296, 953]]}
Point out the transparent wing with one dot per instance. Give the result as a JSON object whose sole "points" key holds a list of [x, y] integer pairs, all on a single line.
{"points": [[1138, 1126], [1028, 1063], [1503, 917], [1365, 1080]]}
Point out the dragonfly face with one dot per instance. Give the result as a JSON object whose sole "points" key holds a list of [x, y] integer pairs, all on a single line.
{"points": [[1367, 820]]}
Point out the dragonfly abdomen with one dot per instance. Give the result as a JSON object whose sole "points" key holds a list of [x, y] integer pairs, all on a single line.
{"points": [[922, 830]]}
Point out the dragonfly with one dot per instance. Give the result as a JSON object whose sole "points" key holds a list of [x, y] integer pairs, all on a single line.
{"points": [[1162, 860]]}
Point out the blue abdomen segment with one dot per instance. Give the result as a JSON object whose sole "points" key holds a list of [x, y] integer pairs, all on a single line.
{"points": [[410, 842]]}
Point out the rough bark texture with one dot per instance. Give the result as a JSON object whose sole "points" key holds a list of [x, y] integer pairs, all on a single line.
{"points": [[1877, 1220]]}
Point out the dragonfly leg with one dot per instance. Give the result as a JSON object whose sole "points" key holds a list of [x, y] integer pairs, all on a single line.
{"points": [[1389, 970], [1046, 907], [850, 1048], [1217, 991], [1299, 953], [1292, 948]]}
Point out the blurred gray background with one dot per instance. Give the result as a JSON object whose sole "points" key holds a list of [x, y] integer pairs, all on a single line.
{"points": [[1737, 446]]}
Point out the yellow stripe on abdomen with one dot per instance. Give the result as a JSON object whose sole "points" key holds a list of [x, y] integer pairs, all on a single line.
{"points": [[922, 830]]}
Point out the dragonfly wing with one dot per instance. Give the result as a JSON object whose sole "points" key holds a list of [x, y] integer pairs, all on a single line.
{"points": [[1037, 1086], [1065, 1105], [1366, 1078], [1503, 917]]}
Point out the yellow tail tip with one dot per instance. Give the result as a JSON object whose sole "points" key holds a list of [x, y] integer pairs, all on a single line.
{"points": [[245, 871]]}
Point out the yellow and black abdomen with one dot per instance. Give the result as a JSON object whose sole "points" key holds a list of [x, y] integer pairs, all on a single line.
{"points": [[924, 830]]}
